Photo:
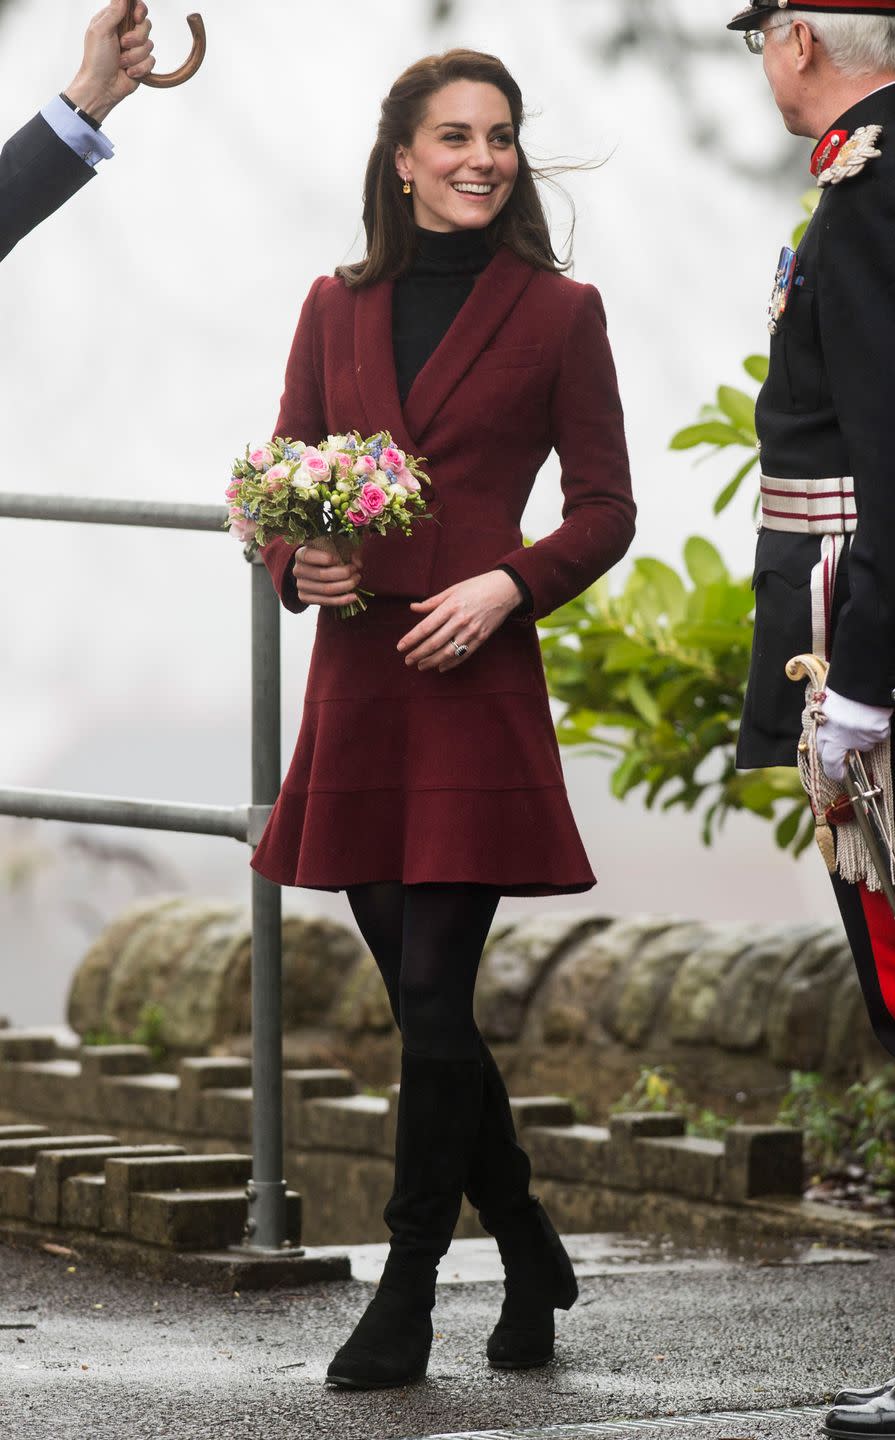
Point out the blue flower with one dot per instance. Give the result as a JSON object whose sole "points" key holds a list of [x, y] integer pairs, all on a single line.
{"points": [[290, 454]]}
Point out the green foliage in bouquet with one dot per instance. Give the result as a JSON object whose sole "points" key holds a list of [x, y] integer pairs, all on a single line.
{"points": [[654, 678]]}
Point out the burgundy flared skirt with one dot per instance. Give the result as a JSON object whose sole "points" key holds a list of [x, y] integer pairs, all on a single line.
{"points": [[421, 777]]}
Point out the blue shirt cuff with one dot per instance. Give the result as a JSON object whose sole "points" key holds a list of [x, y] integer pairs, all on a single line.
{"points": [[90, 144]]}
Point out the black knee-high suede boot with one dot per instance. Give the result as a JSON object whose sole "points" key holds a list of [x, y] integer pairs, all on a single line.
{"points": [[538, 1271], [438, 1121]]}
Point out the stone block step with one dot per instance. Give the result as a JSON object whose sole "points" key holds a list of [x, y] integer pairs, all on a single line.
{"points": [[48, 1087], [16, 1191], [203, 1073], [762, 1160], [24, 1152], [21, 1132], [541, 1110], [52, 1168], [17, 1045], [355, 1122], [142, 1102], [127, 1177], [199, 1219], [227, 1111], [99, 1060], [81, 1202], [568, 1152], [681, 1165]]}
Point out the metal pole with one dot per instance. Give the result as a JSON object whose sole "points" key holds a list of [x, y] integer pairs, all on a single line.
{"points": [[233, 820], [104, 511], [266, 1225]]}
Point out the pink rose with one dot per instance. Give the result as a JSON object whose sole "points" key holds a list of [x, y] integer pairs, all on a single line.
{"points": [[241, 527], [365, 465], [232, 489], [406, 478], [392, 458], [341, 461], [315, 467], [262, 457], [276, 477], [357, 517], [372, 499]]}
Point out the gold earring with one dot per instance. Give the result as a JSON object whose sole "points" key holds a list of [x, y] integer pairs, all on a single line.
{"points": [[407, 187]]}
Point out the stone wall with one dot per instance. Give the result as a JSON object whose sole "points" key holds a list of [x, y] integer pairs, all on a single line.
{"points": [[339, 1148], [570, 1003]]}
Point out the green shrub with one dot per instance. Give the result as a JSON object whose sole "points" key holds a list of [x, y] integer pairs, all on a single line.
{"points": [[654, 678]]}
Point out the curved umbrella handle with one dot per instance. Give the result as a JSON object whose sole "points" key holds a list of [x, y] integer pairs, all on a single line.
{"points": [[188, 69]]}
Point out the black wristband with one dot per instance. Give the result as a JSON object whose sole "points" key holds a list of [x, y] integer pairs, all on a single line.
{"points": [[88, 119]]}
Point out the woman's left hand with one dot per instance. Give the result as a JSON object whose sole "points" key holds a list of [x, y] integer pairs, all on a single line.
{"points": [[466, 613]]}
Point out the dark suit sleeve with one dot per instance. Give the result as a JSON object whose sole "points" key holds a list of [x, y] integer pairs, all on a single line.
{"points": [[38, 173], [587, 429], [856, 313], [302, 417]]}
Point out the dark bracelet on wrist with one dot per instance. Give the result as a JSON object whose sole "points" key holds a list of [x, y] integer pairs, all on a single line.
{"points": [[88, 119]]}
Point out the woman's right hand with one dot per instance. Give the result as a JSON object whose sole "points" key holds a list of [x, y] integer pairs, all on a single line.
{"points": [[322, 578]]}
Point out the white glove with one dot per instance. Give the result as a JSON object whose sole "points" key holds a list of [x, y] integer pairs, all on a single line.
{"points": [[848, 725]]}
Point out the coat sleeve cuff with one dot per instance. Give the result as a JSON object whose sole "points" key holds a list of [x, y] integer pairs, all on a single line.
{"points": [[525, 609]]}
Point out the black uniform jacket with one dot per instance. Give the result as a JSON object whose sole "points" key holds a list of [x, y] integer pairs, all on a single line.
{"points": [[828, 409], [38, 173]]}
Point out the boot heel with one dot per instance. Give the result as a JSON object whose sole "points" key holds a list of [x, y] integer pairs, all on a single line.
{"points": [[567, 1293]]}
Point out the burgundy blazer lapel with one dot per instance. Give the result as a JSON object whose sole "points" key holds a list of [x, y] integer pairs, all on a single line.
{"points": [[496, 291], [374, 364]]}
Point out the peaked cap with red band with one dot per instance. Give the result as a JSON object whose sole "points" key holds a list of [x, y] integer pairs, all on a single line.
{"points": [[748, 19]]}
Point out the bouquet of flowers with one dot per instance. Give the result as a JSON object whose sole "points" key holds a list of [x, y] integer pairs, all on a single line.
{"points": [[328, 495]]}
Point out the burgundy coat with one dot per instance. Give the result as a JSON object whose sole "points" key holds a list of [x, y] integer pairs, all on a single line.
{"points": [[421, 777], [525, 368]]}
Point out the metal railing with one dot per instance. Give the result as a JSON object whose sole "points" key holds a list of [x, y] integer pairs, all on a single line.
{"points": [[266, 1223]]}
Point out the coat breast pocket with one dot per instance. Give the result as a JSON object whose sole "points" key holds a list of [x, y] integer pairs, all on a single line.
{"points": [[509, 357], [508, 392]]}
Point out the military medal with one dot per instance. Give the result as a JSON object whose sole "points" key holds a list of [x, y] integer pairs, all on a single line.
{"points": [[783, 283]]}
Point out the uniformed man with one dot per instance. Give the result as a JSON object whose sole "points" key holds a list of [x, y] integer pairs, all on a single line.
{"points": [[57, 152], [825, 565]]}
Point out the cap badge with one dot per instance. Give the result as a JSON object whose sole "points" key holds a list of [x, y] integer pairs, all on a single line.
{"points": [[849, 158]]}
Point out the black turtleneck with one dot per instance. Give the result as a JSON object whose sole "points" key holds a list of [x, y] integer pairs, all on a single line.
{"points": [[425, 303], [426, 299]]}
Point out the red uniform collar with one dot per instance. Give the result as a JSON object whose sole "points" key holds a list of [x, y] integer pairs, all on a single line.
{"points": [[826, 150]]}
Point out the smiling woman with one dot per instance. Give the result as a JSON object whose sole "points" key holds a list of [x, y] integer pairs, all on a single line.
{"points": [[450, 129], [461, 171], [426, 780]]}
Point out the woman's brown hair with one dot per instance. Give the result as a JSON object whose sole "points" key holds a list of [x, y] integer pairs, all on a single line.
{"points": [[388, 214]]}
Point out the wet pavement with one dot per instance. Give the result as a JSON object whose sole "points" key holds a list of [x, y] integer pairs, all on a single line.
{"points": [[662, 1341]]}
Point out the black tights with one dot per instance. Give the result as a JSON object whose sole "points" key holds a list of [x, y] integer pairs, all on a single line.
{"points": [[427, 941]]}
